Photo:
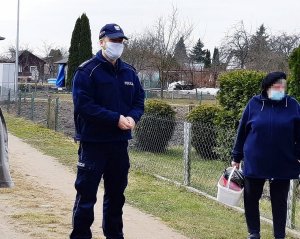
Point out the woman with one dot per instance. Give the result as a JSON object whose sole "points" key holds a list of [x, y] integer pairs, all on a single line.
{"points": [[268, 140]]}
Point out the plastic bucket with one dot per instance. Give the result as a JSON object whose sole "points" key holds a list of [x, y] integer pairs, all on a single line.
{"points": [[227, 195]]}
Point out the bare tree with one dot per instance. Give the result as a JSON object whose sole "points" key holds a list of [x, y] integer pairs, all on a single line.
{"points": [[11, 53], [138, 51], [235, 47], [51, 54], [270, 53], [258, 51], [282, 47], [165, 35], [285, 43], [49, 67]]}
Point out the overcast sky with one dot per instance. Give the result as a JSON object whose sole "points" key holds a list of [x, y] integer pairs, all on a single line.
{"points": [[52, 21]]}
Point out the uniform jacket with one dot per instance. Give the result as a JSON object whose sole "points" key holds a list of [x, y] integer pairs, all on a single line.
{"points": [[101, 93], [268, 138]]}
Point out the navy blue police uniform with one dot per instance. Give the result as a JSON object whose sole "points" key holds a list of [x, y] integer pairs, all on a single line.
{"points": [[101, 93]]}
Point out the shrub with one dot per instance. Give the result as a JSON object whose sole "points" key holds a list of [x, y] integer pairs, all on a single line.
{"points": [[227, 124], [237, 88], [204, 131], [156, 127]]}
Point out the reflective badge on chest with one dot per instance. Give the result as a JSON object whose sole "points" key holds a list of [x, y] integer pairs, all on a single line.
{"points": [[129, 83]]}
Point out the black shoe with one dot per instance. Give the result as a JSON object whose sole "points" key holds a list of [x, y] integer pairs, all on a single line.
{"points": [[254, 236]]}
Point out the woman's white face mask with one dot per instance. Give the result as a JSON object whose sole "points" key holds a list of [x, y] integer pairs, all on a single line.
{"points": [[113, 50]]}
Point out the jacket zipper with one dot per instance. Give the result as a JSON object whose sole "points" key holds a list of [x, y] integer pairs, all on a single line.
{"points": [[118, 88], [271, 121]]}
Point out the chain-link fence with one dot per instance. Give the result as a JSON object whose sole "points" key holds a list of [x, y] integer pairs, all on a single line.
{"points": [[194, 155], [179, 94], [42, 107]]}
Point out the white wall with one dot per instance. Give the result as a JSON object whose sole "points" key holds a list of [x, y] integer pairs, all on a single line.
{"points": [[7, 80]]}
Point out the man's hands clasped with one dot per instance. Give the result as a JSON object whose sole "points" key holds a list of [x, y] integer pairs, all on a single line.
{"points": [[126, 123]]}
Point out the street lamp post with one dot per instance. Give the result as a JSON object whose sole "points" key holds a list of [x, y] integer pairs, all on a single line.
{"points": [[17, 51]]}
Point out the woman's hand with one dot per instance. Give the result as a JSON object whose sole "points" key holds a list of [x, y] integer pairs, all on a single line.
{"points": [[237, 165]]}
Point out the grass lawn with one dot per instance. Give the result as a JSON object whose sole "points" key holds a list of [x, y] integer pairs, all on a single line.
{"points": [[204, 173], [193, 215]]}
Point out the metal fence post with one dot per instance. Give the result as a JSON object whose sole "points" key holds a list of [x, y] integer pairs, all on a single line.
{"points": [[187, 153], [32, 107], [8, 101], [291, 212], [200, 98], [25, 95], [19, 103], [56, 113], [48, 111]]}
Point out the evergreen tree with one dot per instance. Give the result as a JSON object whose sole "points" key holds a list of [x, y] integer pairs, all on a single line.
{"points": [[259, 51], [180, 54], [81, 47], [216, 57], [55, 54], [197, 53], [73, 61], [294, 80], [85, 52], [259, 41], [207, 59]]}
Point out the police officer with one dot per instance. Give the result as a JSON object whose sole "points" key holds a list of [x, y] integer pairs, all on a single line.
{"points": [[108, 102]]}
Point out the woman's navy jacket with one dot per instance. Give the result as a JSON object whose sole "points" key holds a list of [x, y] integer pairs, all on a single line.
{"points": [[268, 138], [101, 93]]}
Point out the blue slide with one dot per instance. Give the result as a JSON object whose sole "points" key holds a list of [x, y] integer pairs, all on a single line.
{"points": [[60, 81]]}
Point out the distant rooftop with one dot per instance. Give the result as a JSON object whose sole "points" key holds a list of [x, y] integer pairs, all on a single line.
{"points": [[62, 61]]}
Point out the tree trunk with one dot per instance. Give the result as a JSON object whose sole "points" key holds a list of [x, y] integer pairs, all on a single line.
{"points": [[161, 80]]}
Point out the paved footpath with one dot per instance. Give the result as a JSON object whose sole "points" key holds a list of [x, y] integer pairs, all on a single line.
{"points": [[47, 171]]}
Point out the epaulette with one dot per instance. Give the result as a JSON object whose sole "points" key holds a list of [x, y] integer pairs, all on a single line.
{"points": [[89, 66], [85, 63]]}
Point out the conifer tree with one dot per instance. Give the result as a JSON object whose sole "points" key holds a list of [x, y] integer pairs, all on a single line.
{"points": [[81, 47], [216, 57], [197, 53], [85, 52], [207, 59], [294, 80], [73, 61], [180, 54]]}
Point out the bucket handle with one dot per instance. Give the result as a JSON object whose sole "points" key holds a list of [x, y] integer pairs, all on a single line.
{"points": [[230, 176]]}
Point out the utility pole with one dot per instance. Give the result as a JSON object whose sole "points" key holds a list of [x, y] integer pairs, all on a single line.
{"points": [[17, 51]]}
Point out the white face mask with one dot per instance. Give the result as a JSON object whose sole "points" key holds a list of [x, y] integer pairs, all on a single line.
{"points": [[113, 50]]}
